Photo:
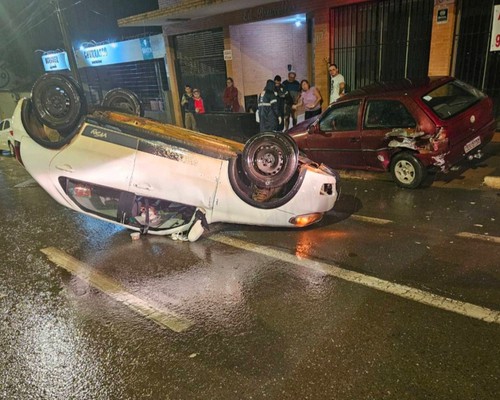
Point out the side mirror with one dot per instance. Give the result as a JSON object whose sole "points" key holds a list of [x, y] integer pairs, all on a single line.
{"points": [[313, 128]]}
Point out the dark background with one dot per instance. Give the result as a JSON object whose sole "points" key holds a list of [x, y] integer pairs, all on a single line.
{"points": [[29, 27]]}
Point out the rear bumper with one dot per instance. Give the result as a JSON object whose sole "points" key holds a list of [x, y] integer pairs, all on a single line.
{"points": [[445, 158]]}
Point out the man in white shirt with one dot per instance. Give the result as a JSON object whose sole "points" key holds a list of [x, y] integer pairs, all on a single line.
{"points": [[337, 83]]}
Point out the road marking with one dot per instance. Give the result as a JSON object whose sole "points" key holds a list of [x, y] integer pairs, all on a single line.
{"points": [[163, 317], [486, 238], [29, 183], [406, 292], [372, 220]]}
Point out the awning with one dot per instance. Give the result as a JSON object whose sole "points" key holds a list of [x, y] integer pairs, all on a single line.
{"points": [[187, 11]]}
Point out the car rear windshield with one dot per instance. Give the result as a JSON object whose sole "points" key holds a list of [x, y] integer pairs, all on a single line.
{"points": [[452, 98]]}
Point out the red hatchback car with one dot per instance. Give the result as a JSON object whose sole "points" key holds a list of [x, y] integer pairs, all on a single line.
{"points": [[406, 127]]}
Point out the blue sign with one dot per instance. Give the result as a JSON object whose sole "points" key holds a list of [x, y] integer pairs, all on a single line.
{"points": [[147, 51], [121, 52], [55, 61]]}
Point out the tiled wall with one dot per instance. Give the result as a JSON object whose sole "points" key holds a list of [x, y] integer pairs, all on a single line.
{"points": [[262, 50]]}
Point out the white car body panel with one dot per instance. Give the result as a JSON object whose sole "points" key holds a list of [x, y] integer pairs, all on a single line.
{"points": [[114, 159]]}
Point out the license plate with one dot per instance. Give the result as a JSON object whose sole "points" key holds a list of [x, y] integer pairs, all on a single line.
{"points": [[472, 144]]}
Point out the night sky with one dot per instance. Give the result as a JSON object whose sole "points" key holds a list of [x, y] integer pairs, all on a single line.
{"points": [[27, 26]]}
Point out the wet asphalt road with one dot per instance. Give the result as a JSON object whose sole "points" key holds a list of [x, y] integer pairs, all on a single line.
{"points": [[266, 316]]}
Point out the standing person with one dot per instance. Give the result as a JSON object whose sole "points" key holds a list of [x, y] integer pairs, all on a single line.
{"points": [[199, 107], [230, 97], [280, 93], [292, 89], [337, 83], [187, 103], [268, 114], [310, 98]]}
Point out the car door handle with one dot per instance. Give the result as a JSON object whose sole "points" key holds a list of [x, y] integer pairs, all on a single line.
{"points": [[144, 186], [354, 139], [65, 167]]}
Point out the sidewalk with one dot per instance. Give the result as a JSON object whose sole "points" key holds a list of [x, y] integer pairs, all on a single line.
{"points": [[493, 180], [479, 174]]}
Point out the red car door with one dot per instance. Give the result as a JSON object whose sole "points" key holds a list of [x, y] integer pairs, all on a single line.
{"points": [[380, 117], [336, 141]]}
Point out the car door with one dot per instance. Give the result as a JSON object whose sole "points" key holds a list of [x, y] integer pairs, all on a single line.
{"points": [[97, 155], [168, 171], [337, 139], [380, 117]]}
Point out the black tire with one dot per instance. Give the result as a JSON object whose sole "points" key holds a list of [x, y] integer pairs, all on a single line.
{"points": [[123, 100], [12, 150], [58, 101], [407, 171], [270, 159]]}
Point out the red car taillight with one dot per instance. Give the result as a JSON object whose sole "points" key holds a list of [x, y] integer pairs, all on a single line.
{"points": [[11, 133]]}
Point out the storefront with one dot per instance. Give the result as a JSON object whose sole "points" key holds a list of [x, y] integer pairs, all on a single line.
{"points": [[137, 65], [369, 40]]}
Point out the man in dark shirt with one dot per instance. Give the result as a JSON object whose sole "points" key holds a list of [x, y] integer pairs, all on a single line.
{"points": [[292, 92], [280, 92], [187, 103]]}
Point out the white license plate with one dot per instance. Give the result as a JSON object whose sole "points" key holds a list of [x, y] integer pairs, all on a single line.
{"points": [[472, 144]]}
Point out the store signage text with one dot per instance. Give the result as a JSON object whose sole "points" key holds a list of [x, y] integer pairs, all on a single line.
{"points": [[55, 61], [263, 12], [146, 48]]}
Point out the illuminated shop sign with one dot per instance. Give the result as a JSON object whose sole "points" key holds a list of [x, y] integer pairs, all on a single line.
{"points": [[121, 52], [55, 61]]}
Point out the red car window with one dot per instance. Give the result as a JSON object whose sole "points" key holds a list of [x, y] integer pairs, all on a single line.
{"points": [[341, 117], [387, 114]]}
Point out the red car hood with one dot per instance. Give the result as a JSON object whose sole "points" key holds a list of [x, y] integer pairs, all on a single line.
{"points": [[302, 127]]}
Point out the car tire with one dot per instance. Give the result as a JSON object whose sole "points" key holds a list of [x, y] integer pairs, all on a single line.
{"points": [[58, 101], [12, 150], [270, 159], [407, 171], [123, 100]]}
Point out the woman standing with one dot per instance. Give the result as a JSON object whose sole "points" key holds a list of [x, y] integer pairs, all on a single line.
{"points": [[310, 98], [230, 97]]}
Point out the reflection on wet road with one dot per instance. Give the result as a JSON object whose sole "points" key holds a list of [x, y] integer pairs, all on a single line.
{"points": [[353, 308]]}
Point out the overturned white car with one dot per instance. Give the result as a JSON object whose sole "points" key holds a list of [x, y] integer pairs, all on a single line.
{"points": [[113, 164]]}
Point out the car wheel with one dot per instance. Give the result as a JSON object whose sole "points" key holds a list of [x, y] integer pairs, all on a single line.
{"points": [[58, 101], [123, 100], [407, 171], [270, 159], [11, 149]]}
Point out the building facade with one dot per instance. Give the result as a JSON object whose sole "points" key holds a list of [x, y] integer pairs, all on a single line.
{"points": [[253, 40]]}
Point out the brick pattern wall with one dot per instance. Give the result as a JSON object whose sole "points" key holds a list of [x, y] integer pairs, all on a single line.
{"points": [[321, 46], [440, 58]]}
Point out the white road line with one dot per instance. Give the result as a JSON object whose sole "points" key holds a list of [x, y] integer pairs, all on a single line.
{"points": [[406, 292], [28, 183], [163, 317], [486, 238], [372, 220]]}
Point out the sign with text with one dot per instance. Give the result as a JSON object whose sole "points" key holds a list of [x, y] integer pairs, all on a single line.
{"points": [[121, 52], [495, 30], [55, 61], [442, 16]]}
